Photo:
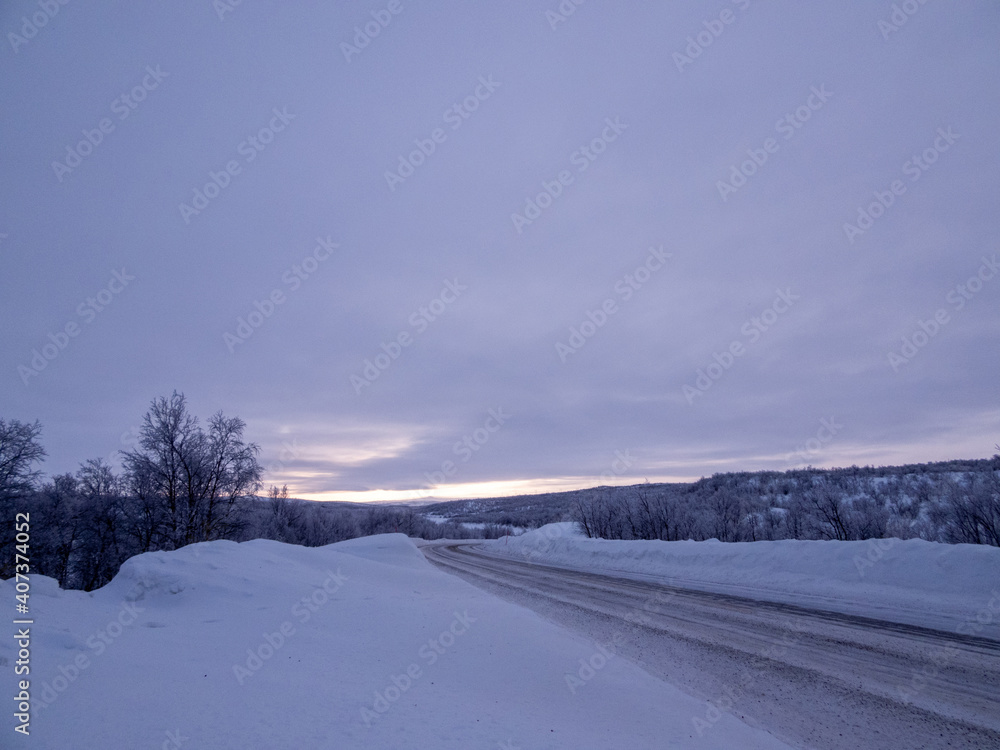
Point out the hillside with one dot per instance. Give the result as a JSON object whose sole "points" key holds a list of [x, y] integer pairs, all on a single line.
{"points": [[949, 501]]}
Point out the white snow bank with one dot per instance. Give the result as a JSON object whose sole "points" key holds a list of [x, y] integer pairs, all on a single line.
{"points": [[953, 587], [361, 644]]}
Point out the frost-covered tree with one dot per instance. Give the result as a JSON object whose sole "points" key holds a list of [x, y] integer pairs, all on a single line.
{"points": [[103, 541], [20, 450], [971, 513], [188, 483]]}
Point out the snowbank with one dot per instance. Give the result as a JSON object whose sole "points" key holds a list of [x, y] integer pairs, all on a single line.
{"points": [[361, 644], [944, 586]]}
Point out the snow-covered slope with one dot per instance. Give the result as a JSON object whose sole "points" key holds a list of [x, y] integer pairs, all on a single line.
{"points": [[952, 587], [361, 644]]}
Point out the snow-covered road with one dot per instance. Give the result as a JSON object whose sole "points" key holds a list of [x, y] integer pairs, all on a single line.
{"points": [[360, 645], [813, 678]]}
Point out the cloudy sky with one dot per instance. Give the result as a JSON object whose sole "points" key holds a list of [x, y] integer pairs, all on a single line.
{"points": [[462, 249]]}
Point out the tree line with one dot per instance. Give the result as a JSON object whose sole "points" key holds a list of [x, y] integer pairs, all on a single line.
{"points": [[958, 502], [183, 483]]}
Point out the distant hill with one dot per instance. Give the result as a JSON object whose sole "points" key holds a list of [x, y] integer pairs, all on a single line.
{"points": [[760, 500], [525, 511]]}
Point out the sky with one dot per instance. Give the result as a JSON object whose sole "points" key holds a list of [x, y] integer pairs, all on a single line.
{"points": [[456, 249]]}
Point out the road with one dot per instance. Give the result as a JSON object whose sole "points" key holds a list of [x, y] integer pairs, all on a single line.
{"points": [[814, 679]]}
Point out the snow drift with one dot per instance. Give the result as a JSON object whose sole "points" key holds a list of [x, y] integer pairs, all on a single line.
{"points": [[952, 587], [361, 644]]}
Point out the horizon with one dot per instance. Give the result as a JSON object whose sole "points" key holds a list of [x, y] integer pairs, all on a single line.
{"points": [[486, 251], [487, 491]]}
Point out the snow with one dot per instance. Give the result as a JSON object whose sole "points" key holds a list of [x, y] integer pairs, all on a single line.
{"points": [[950, 587], [361, 644], [465, 524]]}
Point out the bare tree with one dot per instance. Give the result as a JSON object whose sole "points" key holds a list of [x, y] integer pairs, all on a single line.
{"points": [[188, 483], [869, 512], [581, 514], [20, 449], [103, 542], [728, 511], [55, 523], [972, 510], [830, 513], [232, 474], [285, 522]]}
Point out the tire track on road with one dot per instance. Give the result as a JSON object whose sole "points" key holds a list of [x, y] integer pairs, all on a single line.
{"points": [[813, 678]]}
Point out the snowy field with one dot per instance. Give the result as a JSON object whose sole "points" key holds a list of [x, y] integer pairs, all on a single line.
{"points": [[950, 587], [361, 644]]}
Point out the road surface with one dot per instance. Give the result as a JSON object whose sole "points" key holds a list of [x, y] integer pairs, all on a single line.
{"points": [[812, 678]]}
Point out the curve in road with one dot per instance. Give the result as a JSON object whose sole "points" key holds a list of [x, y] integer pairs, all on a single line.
{"points": [[812, 678]]}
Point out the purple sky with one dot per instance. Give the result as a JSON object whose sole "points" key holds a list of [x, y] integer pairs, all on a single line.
{"points": [[644, 240]]}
